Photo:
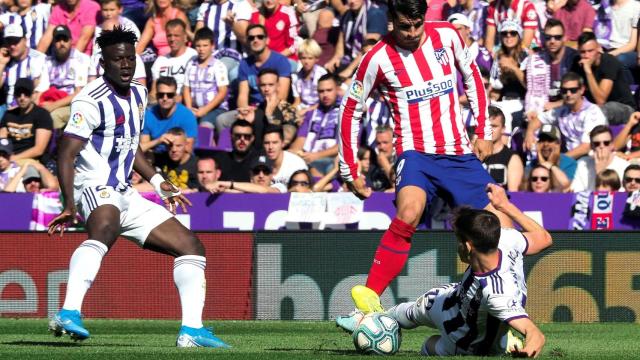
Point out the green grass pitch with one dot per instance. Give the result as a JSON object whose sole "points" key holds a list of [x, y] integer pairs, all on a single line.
{"points": [[154, 339]]}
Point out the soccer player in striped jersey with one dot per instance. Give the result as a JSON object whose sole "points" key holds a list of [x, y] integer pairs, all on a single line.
{"points": [[99, 150], [414, 68], [474, 315]]}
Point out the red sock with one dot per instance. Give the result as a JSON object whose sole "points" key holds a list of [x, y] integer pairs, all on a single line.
{"points": [[391, 255]]}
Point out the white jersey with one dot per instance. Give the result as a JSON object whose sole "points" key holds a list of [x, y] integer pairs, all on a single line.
{"points": [[474, 310], [34, 23], [32, 67], [71, 74], [110, 125], [174, 67]]}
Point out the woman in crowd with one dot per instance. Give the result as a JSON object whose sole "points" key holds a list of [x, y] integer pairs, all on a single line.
{"points": [[160, 12]]}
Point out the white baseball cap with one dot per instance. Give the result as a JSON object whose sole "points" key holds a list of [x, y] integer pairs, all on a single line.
{"points": [[459, 18], [13, 31]]}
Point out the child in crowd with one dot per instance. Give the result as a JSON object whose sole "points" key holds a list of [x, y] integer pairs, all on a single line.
{"points": [[206, 81], [111, 11], [608, 180], [305, 81]]}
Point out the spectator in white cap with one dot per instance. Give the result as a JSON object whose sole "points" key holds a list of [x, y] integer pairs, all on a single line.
{"points": [[32, 177], [506, 74], [17, 60], [33, 16], [478, 53], [8, 168]]}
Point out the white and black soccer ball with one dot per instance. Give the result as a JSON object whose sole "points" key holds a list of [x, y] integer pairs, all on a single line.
{"points": [[377, 334]]}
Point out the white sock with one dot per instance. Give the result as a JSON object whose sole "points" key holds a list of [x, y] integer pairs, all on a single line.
{"points": [[404, 315], [83, 268], [188, 274]]}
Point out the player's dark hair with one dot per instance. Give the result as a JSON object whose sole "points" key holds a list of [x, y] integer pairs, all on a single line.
{"points": [[268, 71], [274, 129], [412, 9], [241, 123], [166, 80], [330, 76], [118, 35], [551, 23], [369, 42], [586, 37], [203, 34], [480, 227], [495, 111], [571, 76], [600, 129], [175, 23], [257, 26]]}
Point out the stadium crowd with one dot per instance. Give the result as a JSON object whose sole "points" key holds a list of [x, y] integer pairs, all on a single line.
{"points": [[245, 95]]}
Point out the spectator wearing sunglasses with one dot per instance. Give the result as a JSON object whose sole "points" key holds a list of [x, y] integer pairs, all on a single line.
{"points": [[507, 75], [301, 181], [236, 165], [165, 115], [577, 16], [575, 118], [631, 179], [261, 181], [603, 157], [540, 180], [556, 60]]}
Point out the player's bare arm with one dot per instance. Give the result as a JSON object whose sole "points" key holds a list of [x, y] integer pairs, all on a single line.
{"points": [[537, 236], [482, 148], [169, 193], [359, 188], [68, 150], [534, 338]]}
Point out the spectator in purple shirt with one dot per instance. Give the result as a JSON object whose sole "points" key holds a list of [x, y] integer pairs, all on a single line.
{"points": [[305, 81], [317, 141]]}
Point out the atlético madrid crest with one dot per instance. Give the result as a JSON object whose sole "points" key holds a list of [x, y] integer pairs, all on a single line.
{"points": [[441, 56]]}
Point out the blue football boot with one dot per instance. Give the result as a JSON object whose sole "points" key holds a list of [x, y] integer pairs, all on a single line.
{"points": [[68, 322]]}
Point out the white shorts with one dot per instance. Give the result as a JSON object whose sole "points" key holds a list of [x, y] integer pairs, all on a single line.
{"points": [[138, 216], [428, 312]]}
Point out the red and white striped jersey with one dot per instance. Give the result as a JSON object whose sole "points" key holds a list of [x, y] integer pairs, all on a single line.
{"points": [[420, 88], [520, 11]]}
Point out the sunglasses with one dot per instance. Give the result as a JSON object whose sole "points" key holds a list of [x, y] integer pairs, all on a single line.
{"points": [[254, 37], [25, 93], [301, 183], [549, 37], [540, 178], [242, 136], [573, 90], [261, 170], [632, 179], [596, 144], [169, 95], [509, 33]]}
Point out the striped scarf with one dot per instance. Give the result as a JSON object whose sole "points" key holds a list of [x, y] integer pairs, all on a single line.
{"points": [[538, 82]]}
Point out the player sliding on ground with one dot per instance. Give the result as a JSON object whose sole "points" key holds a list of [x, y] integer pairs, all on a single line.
{"points": [[103, 133], [414, 67], [474, 315]]}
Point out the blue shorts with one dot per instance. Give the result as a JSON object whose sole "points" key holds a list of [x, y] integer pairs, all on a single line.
{"points": [[458, 179]]}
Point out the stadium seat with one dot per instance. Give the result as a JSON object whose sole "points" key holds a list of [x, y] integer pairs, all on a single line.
{"points": [[205, 137], [224, 140]]}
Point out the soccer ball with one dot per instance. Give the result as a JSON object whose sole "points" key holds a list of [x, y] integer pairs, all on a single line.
{"points": [[377, 334]]}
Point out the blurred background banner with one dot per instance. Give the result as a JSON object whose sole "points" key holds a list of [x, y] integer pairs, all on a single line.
{"points": [[249, 212], [584, 277]]}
